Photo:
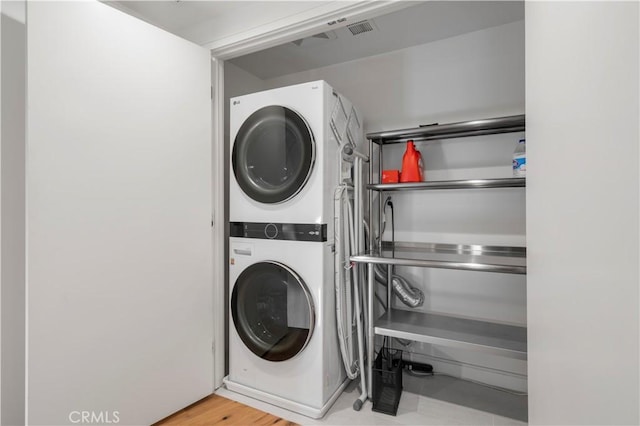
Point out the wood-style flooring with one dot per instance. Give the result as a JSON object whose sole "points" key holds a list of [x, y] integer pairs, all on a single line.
{"points": [[217, 410]]}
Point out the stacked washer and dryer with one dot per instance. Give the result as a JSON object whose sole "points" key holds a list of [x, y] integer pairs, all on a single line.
{"points": [[286, 161]]}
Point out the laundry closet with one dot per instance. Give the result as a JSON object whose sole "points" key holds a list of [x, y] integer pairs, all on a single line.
{"points": [[432, 63], [116, 174]]}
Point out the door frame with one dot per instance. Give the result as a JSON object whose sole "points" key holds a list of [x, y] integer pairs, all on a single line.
{"points": [[218, 222], [284, 31]]}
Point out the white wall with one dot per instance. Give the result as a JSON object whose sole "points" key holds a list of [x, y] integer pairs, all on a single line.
{"points": [[476, 75], [582, 214], [12, 224], [457, 78]]}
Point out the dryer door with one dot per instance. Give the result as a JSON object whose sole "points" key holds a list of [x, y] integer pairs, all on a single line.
{"points": [[273, 154], [272, 311]]}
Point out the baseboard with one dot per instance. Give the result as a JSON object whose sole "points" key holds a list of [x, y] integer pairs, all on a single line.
{"points": [[313, 412]]}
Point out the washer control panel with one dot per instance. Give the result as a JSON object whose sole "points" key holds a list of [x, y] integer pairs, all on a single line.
{"points": [[279, 231]]}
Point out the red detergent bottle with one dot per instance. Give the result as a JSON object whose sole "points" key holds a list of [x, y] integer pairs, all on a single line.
{"points": [[411, 164]]}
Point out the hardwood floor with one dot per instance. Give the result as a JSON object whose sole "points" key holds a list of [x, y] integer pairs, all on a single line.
{"points": [[217, 410]]}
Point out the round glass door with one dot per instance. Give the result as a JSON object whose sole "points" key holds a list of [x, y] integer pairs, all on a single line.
{"points": [[273, 154], [272, 311]]}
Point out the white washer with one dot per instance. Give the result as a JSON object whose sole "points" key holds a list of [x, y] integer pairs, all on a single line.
{"points": [[283, 345], [284, 153]]}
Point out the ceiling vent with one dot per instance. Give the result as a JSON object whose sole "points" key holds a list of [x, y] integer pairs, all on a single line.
{"points": [[316, 39], [361, 27]]}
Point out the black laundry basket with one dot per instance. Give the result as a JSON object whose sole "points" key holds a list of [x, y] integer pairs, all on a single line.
{"points": [[387, 381]]}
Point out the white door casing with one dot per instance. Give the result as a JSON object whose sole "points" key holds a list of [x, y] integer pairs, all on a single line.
{"points": [[119, 274], [219, 221]]}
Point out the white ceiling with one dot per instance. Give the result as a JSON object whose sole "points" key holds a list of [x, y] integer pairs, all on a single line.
{"points": [[415, 25], [428, 21]]}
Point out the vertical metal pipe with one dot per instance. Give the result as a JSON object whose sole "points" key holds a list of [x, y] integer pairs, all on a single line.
{"points": [[359, 190], [358, 283], [389, 286], [370, 219], [389, 269], [357, 202], [364, 383], [372, 281], [357, 197], [370, 331], [380, 199]]}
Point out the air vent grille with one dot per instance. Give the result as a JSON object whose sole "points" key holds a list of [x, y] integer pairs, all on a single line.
{"points": [[360, 27]]}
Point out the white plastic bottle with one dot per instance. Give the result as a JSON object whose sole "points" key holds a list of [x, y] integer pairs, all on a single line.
{"points": [[520, 159]]}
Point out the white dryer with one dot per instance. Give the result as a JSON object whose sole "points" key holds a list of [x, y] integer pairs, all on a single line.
{"points": [[283, 345], [284, 153]]}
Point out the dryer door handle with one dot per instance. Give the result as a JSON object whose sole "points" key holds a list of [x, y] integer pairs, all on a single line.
{"points": [[242, 252]]}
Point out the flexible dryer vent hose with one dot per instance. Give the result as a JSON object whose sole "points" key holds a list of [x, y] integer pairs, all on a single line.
{"points": [[409, 295]]}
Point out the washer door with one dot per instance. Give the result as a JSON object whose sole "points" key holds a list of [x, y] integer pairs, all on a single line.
{"points": [[272, 311], [273, 154]]}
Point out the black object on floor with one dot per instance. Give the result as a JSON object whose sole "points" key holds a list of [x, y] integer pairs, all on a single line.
{"points": [[387, 381]]}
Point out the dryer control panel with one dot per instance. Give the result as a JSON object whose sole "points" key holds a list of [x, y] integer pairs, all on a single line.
{"points": [[279, 231]]}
